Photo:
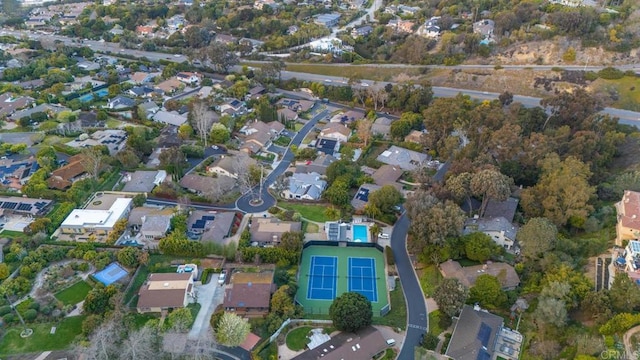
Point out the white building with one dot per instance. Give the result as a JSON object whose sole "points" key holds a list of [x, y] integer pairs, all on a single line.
{"points": [[84, 222]]}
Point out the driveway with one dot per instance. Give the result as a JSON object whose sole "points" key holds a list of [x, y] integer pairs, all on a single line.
{"points": [[209, 297]]}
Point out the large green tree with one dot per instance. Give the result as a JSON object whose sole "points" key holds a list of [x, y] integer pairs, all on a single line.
{"points": [[537, 237], [385, 198], [624, 294], [487, 291], [351, 312], [450, 296], [490, 184], [563, 192], [480, 247]]}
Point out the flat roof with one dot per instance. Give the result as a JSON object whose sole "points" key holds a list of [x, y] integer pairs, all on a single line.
{"points": [[98, 218]]}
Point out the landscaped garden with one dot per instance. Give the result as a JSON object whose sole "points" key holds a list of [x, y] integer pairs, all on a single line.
{"points": [[74, 293], [297, 338], [308, 211], [42, 338]]}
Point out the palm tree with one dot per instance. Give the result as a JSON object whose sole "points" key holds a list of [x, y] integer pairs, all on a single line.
{"points": [[374, 230]]}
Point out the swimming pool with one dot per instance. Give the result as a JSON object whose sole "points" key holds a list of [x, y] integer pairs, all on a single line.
{"points": [[360, 233], [94, 96]]}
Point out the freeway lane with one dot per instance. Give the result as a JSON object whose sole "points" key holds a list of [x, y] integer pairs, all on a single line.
{"points": [[417, 320], [626, 117]]}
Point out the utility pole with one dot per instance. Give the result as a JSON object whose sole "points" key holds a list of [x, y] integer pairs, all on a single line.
{"points": [[261, 177]]}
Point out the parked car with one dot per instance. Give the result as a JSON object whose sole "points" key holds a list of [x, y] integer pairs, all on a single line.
{"points": [[222, 277]]}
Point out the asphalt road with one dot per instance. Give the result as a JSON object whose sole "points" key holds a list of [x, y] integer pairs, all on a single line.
{"points": [[417, 319], [244, 202]]}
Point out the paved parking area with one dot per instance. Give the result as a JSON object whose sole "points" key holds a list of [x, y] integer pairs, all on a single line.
{"points": [[16, 223], [209, 297]]}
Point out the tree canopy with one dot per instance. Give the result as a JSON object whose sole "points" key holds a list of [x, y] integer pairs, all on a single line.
{"points": [[351, 312]]}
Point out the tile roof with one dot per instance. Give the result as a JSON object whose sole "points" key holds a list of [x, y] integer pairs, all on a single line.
{"points": [[164, 290], [247, 296], [630, 206]]}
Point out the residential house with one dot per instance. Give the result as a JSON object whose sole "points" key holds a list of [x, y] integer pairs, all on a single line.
{"points": [[361, 31], [121, 102], [212, 226], [287, 115], [362, 195], [114, 140], [628, 225], [327, 20], [226, 39], [88, 65], [137, 215], [205, 185], [348, 117], [305, 187], [414, 136], [63, 177], [249, 294], [189, 78], [325, 45], [50, 109], [479, 334], [497, 223], [24, 206], [150, 108], [484, 28], [401, 26], [387, 175], [144, 30], [432, 27], [163, 292], [15, 172], [299, 106], [253, 44], [82, 223], [468, 275], [230, 165], [170, 86], [31, 84], [233, 107], [170, 118], [319, 165], [142, 91], [143, 181], [259, 4], [337, 131], [140, 77], [327, 146], [155, 227], [175, 23], [256, 92], [382, 127], [408, 10], [268, 231], [258, 135], [9, 103], [364, 344], [404, 158]]}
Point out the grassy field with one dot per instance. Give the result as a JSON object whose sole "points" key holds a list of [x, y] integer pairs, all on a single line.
{"points": [[42, 339], [308, 211], [357, 71], [297, 338], [434, 322], [627, 88], [430, 278], [397, 317], [14, 235], [74, 293]]}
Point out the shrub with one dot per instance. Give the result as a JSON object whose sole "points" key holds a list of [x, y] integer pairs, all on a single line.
{"points": [[5, 310], [273, 210], [9, 318], [590, 76], [35, 306], [610, 73], [389, 253], [430, 341], [30, 315]]}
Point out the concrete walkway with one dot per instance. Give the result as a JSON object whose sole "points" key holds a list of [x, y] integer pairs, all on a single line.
{"points": [[209, 297]]}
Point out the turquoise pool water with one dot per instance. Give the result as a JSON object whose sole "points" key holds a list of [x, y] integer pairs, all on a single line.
{"points": [[360, 233]]}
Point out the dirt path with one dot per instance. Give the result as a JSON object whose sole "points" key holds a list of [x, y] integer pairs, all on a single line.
{"points": [[628, 347], [37, 283]]}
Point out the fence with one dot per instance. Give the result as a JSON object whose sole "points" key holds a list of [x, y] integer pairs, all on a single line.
{"points": [[385, 309], [342, 243]]}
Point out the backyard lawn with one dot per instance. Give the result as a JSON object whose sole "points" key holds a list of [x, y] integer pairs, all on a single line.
{"points": [[297, 338], [74, 293], [430, 278], [282, 141], [308, 211], [42, 339]]}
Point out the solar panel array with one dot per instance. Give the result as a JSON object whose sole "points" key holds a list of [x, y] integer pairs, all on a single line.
{"points": [[484, 333], [114, 139], [363, 194], [200, 223], [9, 170], [24, 207]]}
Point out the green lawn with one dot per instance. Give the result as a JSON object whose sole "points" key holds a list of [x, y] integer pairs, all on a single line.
{"points": [[42, 339], [308, 211], [140, 320], [282, 141], [14, 234], [297, 338], [627, 89], [434, 322], [397, 317], [430, 279], [74, 293]]}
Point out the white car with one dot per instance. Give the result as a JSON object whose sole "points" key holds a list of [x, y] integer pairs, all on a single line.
{"points": [[222, 277], [383, 236], [364, 84], [215, 147], [177, 55]]}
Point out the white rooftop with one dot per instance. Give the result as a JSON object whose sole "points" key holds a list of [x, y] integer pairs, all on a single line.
{"points": [[100, 219]]}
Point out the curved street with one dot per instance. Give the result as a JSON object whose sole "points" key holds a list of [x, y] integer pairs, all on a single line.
{"points": [[417, 319]]}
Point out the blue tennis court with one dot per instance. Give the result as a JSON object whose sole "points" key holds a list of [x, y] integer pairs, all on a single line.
{"points": [[323, 278], [112, 273], [362, 277]]}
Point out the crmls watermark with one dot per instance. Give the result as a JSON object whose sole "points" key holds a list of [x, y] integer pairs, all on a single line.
{"points": [[619, 355]]}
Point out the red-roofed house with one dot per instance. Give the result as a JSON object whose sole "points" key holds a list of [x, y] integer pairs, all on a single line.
{"points": [[628, 227]]}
